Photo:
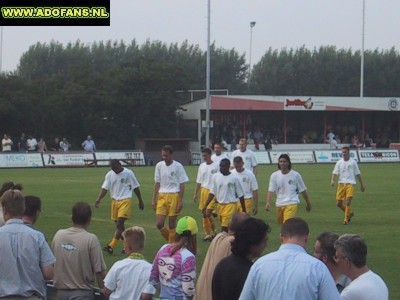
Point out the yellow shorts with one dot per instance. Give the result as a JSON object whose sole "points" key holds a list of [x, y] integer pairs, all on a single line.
{"points": [[121, 209], [345, 191], [247, 204], [203, 199], [167, 204], [284, 213], [225, 212]]}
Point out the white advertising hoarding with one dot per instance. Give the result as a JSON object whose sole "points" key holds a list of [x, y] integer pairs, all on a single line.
{"points": [[300, 157], [21, 160], [374, 155], [57, 159], [106, 156], [330, 156]]}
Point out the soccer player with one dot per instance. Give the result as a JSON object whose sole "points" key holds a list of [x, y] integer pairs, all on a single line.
{"points": [[227, 189], [218, 155], [203, 182], [347, 170], [248, 156], [169, 188], [249, 184], [120, 182], [287, 184]]}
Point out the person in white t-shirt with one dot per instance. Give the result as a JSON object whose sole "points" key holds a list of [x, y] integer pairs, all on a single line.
{"points": [[118, 283], [206, 171], [287, 184], [169, 187], [218, 155], [347, 170], [248, 156], [121, 182], [249, 184], [351, 258], [6, 143]]}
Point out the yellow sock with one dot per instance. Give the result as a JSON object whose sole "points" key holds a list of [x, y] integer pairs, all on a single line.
{"points": [[347, 212], [165, 233], [171, 238], [206, 226], [113, 243], [212, 223]]}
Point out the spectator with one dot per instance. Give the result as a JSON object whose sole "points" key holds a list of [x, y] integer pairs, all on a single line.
{"points": [[26, 260], [268, 143], [79, 259], [65, 145], [290, 272], [5, 187], [42, 145], [88, 145], [6, 143], [33, 208], [31, 144], [174, 267], [351, 257], [22, 143], [56, 145], [220, 247], [231, 272], [118, 283], [248, 156], [257, 137], [324, 250]]}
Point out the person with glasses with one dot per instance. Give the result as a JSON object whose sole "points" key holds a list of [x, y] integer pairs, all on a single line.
{"points": [[324, 250], [351, 258]]}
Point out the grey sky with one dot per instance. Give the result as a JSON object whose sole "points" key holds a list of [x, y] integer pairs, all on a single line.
{"points": [[279, 23]]}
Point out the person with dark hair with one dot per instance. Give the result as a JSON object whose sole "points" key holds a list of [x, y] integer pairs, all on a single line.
{"points": [[324, 250], [33, 207], [174, 267], [290, 272], [121, 182], [79, 259], [231, 272], [26, 260], [286, 184], [9, 185], [226, 189], [206, 171], [118, 283], [347, 170], [219, 248], [218, 155], [249, 184], [169, 187], [351, 258]]}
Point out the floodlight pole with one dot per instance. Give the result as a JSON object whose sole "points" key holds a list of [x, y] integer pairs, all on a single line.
{"points": [[252, 24], [362, 53], [208, 76]]}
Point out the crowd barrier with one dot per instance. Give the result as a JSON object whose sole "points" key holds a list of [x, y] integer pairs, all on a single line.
{"points": [[69, 159], [317, 156]]}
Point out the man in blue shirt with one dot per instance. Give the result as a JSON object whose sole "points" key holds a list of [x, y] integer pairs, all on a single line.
{"points": [[290, 272], [88, 145]]}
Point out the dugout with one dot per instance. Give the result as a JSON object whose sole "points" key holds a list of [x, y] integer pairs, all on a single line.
{"points": [[151, 147], [289, 118]]}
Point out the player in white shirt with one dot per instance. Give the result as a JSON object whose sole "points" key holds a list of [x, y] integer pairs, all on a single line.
{"points": [[347, 170], [249, 184], [206, 171], [227, 189], [286, 184], [169, 187], [121, 182], [248, 156], [218, 155]]}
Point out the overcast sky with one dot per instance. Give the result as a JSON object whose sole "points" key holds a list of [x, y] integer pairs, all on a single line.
{"points": [[279, 24]]}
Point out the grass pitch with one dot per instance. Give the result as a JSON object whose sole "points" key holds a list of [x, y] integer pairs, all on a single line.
{"points": [[376, 210]]}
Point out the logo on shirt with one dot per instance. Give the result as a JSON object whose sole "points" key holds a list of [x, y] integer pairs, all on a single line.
{"points": [[68, 247]]}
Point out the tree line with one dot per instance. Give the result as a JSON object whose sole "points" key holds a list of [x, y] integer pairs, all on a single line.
{"points": [[119, 92]]}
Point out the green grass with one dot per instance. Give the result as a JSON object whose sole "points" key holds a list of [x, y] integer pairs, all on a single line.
{"points": [[376, 210]]}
